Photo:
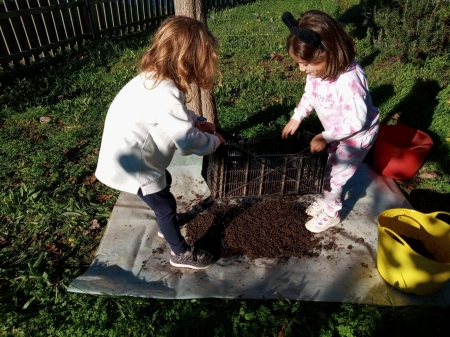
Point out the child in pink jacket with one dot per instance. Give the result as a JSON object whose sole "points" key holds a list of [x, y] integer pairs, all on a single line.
{"points": [[336, 88]]}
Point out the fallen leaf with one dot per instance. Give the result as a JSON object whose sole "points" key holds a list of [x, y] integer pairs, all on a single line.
{"points": [[51, 248], [94, 224], [104, 197], [428, 175], [276, 56], [89, 181]]}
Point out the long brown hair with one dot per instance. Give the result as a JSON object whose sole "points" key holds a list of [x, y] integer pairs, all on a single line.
{"points": [[184, 51], [338, 48]]}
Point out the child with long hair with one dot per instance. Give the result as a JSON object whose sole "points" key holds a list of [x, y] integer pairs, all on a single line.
{"points": [[147, 121], [336, 88]]}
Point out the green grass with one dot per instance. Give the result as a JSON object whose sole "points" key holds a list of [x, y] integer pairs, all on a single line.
{"points": [[53, 213]]}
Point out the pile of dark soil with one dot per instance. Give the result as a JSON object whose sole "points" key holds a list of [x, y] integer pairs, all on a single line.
{"points": [[262, 228]]}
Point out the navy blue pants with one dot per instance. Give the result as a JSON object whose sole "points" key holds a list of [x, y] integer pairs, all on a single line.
{"points": [[164, 205]]}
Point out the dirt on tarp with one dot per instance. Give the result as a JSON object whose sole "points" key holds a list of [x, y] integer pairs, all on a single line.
{"points": [[256, 228]]}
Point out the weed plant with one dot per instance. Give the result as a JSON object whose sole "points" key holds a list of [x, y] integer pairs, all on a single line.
{"points": [[53, 212]]}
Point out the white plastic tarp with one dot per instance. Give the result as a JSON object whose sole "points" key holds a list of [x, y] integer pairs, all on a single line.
{"points": [[132, 260]]}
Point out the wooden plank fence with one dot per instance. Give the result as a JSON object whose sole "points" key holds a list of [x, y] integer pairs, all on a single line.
{"points": [[31, 29]]}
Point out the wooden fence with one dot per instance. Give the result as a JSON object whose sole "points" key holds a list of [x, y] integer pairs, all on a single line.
{"points": [[31, 29]]}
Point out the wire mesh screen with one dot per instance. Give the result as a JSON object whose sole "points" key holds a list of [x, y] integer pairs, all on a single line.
{"points": [[246, 167]]}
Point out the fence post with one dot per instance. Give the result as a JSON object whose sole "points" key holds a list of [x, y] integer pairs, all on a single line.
{"points": [[93, 19]]}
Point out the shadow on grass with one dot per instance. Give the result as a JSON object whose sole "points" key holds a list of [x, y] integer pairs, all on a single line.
{"points": [[273, 114], [92, 53], [417, 108], [427, 201], [360, 17]]}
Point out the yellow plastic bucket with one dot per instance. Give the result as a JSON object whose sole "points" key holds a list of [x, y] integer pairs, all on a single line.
{"points": [[413, 252]]}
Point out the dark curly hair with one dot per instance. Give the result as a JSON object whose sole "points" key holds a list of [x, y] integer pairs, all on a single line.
{"points": [[337, 47]]}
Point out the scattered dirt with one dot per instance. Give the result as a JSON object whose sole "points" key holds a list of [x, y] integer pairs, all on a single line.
{"points": [[256, 228], [158, 250]]}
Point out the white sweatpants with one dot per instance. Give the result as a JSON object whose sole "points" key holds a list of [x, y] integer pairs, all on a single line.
{"points": [[344, 158]]}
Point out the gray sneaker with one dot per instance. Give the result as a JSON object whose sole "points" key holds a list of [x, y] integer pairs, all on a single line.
{"points": [[192, 258]]}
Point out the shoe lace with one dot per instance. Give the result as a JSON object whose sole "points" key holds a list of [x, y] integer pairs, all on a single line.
{"points": [[197, 254]]}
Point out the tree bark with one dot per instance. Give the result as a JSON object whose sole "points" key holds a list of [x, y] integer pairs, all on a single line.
{"points": [[202, 102], [209, 106], [192, 8]]}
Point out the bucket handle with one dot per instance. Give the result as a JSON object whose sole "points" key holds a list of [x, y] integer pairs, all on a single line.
{"points": [[422, 147], [409, 220], [435, 214], [395, 236]]}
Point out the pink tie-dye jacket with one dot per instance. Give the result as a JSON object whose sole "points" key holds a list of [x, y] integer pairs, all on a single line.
{"points": [[344, 106]]}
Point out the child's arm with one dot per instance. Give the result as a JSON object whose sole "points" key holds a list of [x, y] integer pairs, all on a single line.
{"points": [[290, 128], [306, 104], [303, 109], [204, 126], [179, 126], [318, 143]]}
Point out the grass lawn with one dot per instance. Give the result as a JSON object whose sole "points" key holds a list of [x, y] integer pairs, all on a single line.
{"points": [[53, 212]]}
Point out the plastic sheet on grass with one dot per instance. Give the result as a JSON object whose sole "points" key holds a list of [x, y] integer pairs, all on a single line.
{"points": [[133, 261]]}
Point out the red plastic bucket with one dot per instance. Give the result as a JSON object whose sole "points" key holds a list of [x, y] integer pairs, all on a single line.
{"points": [[400, 150]]}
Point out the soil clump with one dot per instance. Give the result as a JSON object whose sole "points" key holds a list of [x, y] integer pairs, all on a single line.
{"points": [[256, 228]]}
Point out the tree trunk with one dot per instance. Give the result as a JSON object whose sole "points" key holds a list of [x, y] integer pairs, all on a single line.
{"points": [[192, 8], [209, 106], [202, 102]]}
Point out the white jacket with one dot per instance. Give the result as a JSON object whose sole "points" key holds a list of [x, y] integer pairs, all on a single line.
{"points": [[143, 128], [344, 106]]}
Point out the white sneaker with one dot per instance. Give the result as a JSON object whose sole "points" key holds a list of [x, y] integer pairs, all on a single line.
{"points": [[322, 221], [315, 208]]}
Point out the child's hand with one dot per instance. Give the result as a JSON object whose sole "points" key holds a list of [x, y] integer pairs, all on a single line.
{"points": [[207, 127], [290, 128], [221, 139], [318, 143]]}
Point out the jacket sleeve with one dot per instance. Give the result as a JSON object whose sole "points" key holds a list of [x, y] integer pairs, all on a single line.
{"points": [[192, 115], [306, 104], [178, 124]]}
